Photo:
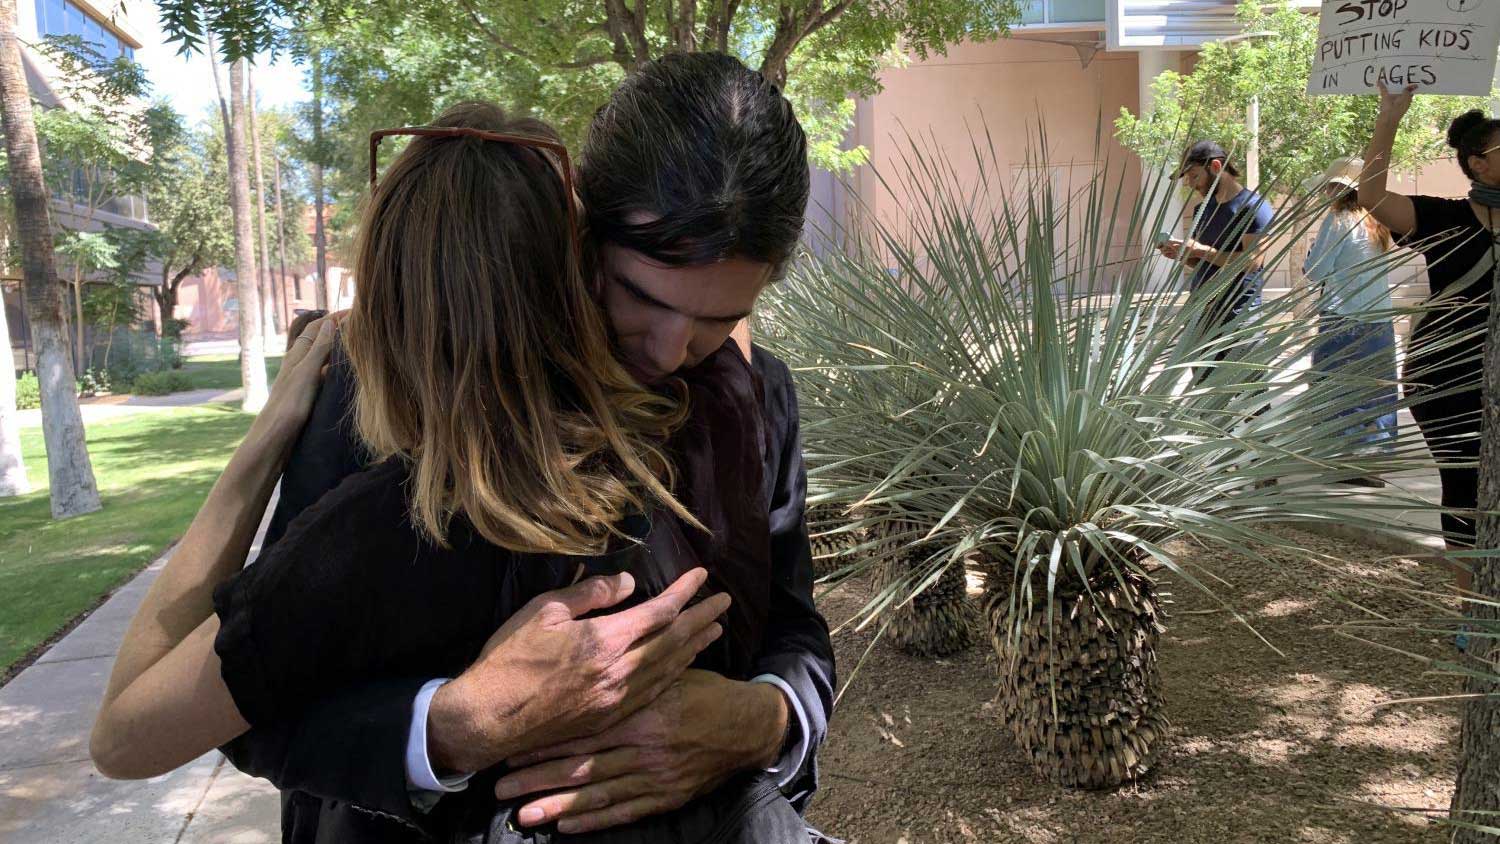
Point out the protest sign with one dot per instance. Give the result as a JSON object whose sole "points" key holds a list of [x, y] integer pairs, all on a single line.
{"points": [[1443, 46]]}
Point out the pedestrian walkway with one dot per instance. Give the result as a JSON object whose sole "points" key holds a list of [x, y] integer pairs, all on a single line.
{"points": [[49, 790], [112, 407]]}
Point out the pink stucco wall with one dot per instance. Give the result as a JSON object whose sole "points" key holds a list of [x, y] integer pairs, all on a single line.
{"points": [[209, 302], [1008, 89]]}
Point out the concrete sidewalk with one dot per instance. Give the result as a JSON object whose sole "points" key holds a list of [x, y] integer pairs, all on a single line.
{"points": [[49, 790], [113, 407]]}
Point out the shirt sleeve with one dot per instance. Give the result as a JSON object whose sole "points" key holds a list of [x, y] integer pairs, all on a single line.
{"points": [[797, 648], [794, 753], [1434, 216], [338, 601], [1262, 215], [425, 784]]}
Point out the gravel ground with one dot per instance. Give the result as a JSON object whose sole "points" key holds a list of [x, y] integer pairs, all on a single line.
{"points": [[1266, 747]]}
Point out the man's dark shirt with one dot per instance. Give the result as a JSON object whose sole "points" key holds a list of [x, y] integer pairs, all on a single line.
{"points": [[341, 763]]}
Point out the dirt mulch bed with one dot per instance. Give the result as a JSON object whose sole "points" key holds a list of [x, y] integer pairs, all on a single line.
{"points": [[1266, 748]]}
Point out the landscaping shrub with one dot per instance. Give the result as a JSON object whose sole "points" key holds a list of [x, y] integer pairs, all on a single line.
{"points": [[161, 383], [28, 392]]}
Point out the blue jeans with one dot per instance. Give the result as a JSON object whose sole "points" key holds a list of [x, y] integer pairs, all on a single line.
{"points": [[1343, 342]]}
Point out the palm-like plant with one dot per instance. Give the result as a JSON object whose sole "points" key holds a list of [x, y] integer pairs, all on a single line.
{"points": [[1004, 376]]}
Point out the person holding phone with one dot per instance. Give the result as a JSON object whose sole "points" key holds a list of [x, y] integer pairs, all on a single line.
{"points": [[1227, 226]]}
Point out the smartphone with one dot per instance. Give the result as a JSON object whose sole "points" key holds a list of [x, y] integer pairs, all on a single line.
{"points": [[1163, 238]]}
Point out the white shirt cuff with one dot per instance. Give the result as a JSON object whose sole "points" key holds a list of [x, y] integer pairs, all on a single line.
{"points": [[790, 764], [419, 773]]}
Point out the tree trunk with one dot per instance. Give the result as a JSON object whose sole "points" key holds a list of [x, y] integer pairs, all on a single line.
{"points": [[12, 470], [70, 476], [320, 241], [80, 360], [252, 342], [271, 314], [1478, 787], [286, 315]]}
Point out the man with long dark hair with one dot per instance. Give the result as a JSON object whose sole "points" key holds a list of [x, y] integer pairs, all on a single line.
{"points": [[695, 181]]}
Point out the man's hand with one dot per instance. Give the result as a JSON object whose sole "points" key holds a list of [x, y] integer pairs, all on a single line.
{"points": [[547, 676], [701, 731]]}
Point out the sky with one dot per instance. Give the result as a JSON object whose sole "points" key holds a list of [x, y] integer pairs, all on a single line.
{"points": [[186, 81]]}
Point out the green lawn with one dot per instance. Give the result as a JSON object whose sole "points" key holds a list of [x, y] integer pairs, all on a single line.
{"points": [[222, 372], [153, 469]]}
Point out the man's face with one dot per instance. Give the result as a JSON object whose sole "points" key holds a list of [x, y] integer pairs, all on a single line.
{"points": [[667, 318], [1200, 177]]}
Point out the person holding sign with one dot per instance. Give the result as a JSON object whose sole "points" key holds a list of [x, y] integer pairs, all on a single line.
{"points": [[1354, 300], [1445, 363], [1227, 225]]}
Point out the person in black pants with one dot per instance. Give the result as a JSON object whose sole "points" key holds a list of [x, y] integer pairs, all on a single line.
{"points": [[1444, 368]]}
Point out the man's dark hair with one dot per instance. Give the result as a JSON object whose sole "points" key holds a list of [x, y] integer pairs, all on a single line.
{"points": [[707, 149], [1203, 152]]}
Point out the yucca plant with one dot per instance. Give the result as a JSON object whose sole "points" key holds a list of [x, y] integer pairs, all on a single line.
{"points": [[1004, 376], [940, 620]]}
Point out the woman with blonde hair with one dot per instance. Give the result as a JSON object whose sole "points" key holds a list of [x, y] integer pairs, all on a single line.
{"points": [[1355, 331], [521, 479]]}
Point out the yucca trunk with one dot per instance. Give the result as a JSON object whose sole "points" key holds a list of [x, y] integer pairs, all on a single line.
{"points": [[1082, 694], [941, 620], [829, 549]]}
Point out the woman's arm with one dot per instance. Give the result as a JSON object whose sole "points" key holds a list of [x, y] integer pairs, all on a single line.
{"points": [[166, 702], [1393, 209]]}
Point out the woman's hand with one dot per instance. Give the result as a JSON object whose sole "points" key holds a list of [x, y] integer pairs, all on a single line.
{"points": [[297, 383], [1393, 106]]}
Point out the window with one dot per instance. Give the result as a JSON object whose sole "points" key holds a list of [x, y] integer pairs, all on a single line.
{"points": [[61, 17]]}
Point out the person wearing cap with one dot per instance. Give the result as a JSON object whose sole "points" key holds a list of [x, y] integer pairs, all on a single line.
{"points": [[1226, 226], [1354, 301]]}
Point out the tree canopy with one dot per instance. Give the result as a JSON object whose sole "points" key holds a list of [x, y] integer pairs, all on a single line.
{"points": [[389, 61]]}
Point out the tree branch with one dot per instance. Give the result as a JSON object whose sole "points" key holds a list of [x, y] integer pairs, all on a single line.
{"points": [[684, 27], [628, 27], [791, 31], [731, 11], [614, 24], [493, 35], [510, 47]]}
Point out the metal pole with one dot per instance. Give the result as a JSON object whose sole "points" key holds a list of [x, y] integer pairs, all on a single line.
{"points": [[1252, 155]]}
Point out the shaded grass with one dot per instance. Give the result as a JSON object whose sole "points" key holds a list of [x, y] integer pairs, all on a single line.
{"points": [[222, 372], [153, 469]]}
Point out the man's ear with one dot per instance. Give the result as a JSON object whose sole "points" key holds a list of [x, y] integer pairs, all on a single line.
{"points": [[1215, 167]]}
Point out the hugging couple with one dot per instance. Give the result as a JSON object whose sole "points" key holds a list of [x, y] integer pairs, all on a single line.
{"points": [[539, 569]]}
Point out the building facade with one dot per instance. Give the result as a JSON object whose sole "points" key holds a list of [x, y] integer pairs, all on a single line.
{"points": [[108, 30]]}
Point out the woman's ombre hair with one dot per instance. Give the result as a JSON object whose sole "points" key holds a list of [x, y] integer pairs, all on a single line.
{"points": [[480, 356]]}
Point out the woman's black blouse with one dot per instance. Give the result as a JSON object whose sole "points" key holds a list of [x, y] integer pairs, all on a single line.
{"points": [[1448, 340], [352, 592]]}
